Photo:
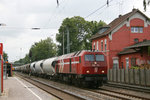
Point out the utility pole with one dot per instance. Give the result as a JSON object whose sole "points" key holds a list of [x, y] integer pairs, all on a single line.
{"points": [[68, 43], [63, 43]]}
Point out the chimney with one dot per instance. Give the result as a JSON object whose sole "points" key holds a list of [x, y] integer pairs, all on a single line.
{"points": [[134, 9], [120, 16]]}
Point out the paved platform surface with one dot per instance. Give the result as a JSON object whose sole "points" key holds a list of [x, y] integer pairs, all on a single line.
{"points": [[18, 89]]}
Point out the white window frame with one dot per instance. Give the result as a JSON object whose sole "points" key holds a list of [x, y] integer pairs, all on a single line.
{"points": [[132, 29], [127, 58], [97, 45], [137, 29], [115, 62], [101, 45], [140, 31], [105, 44]]}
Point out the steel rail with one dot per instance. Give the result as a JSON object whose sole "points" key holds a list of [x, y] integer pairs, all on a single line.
{"points": [[129, 87], [124, 94], [122, 97]]}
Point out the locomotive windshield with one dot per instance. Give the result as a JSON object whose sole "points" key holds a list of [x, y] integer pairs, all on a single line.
{"points": [[99, 57], [89, 57]]}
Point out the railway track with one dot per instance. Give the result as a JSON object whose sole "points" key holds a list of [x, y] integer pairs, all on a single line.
{"points": [[120, 95], [129, 87], [82, 93], [78, 94], [55, 91]]}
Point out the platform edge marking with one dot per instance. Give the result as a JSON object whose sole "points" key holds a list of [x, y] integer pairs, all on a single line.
{"points": [[27, 88]]}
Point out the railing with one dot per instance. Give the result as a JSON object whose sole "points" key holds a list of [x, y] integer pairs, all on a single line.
{"points": [[130, 76]]}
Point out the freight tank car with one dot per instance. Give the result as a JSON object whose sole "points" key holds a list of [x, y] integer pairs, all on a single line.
{"points": [[32, 68], [49, 66], [82, 67], [45, 67]]}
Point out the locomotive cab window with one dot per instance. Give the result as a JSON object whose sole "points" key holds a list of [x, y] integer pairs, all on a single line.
{"points": [[99, 57], [79, 59], [89, 57]]}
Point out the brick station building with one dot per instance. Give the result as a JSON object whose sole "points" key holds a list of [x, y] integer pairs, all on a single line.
{"points": [[125, 41]]}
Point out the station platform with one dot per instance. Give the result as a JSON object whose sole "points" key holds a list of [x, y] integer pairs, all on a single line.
{"points": [[16, 88]]}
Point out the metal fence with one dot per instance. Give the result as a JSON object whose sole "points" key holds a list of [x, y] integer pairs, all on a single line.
{"points": [[130, 76]]}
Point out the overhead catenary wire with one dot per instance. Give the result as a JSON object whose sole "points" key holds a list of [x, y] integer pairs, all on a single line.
{"points": [[52, 15], [24, 28], [44, 27], [106, 4]]}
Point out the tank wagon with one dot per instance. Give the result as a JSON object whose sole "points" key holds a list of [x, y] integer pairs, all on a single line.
{"points": [[39, 68], [88, 68], [32, 68]]}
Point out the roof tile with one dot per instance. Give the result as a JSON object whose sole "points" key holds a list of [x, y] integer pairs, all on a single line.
{"points": [[116, 22]]}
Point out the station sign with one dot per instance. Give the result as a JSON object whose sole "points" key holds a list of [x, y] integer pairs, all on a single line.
{"points": [[1, 48], [1, 68]]}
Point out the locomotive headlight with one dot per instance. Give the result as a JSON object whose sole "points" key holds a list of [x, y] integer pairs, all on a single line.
{"points": [[103, 71], [87, 71]]}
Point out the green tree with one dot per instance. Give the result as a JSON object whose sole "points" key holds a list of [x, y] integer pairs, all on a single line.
{"points": [[19, 62], [42, 50], [5, 56], [80, 32], [26, 59]]}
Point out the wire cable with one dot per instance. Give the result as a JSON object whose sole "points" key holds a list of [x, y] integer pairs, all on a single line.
{"points": [[97, 9]]}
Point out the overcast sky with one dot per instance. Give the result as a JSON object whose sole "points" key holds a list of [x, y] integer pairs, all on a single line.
{"points": [[22, 15]]}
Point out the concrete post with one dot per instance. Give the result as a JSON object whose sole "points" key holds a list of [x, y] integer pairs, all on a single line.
{"points": [[68, 41]]}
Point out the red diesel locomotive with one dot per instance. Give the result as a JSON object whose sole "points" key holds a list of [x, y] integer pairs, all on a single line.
{"points": [[88, 68]]}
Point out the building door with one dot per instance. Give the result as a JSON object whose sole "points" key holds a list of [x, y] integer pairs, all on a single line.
{"points": [[127, 63], [115, 64]]}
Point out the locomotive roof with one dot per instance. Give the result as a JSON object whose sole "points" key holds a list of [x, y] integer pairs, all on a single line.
{"points": [[74, 54]]}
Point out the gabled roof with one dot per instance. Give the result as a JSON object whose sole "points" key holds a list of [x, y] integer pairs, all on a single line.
{"points": [[140, 44], [116, 22], [132, 48], [127, 51]]}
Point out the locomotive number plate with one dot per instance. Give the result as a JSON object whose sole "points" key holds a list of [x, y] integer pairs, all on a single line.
{"points": [[95, 69]]}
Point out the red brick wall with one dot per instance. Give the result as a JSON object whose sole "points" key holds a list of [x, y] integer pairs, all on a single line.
{"points": [[136, 22], [99, 40], [122, 38], [141, 58]]}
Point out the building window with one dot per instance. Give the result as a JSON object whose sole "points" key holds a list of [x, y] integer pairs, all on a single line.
{"points": [[133, 61], [94, 46], [137, 29], [140, 29], [101, 45], [136, 40], [105, 44], [127, 63], [97, 45], [115, 64]]}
